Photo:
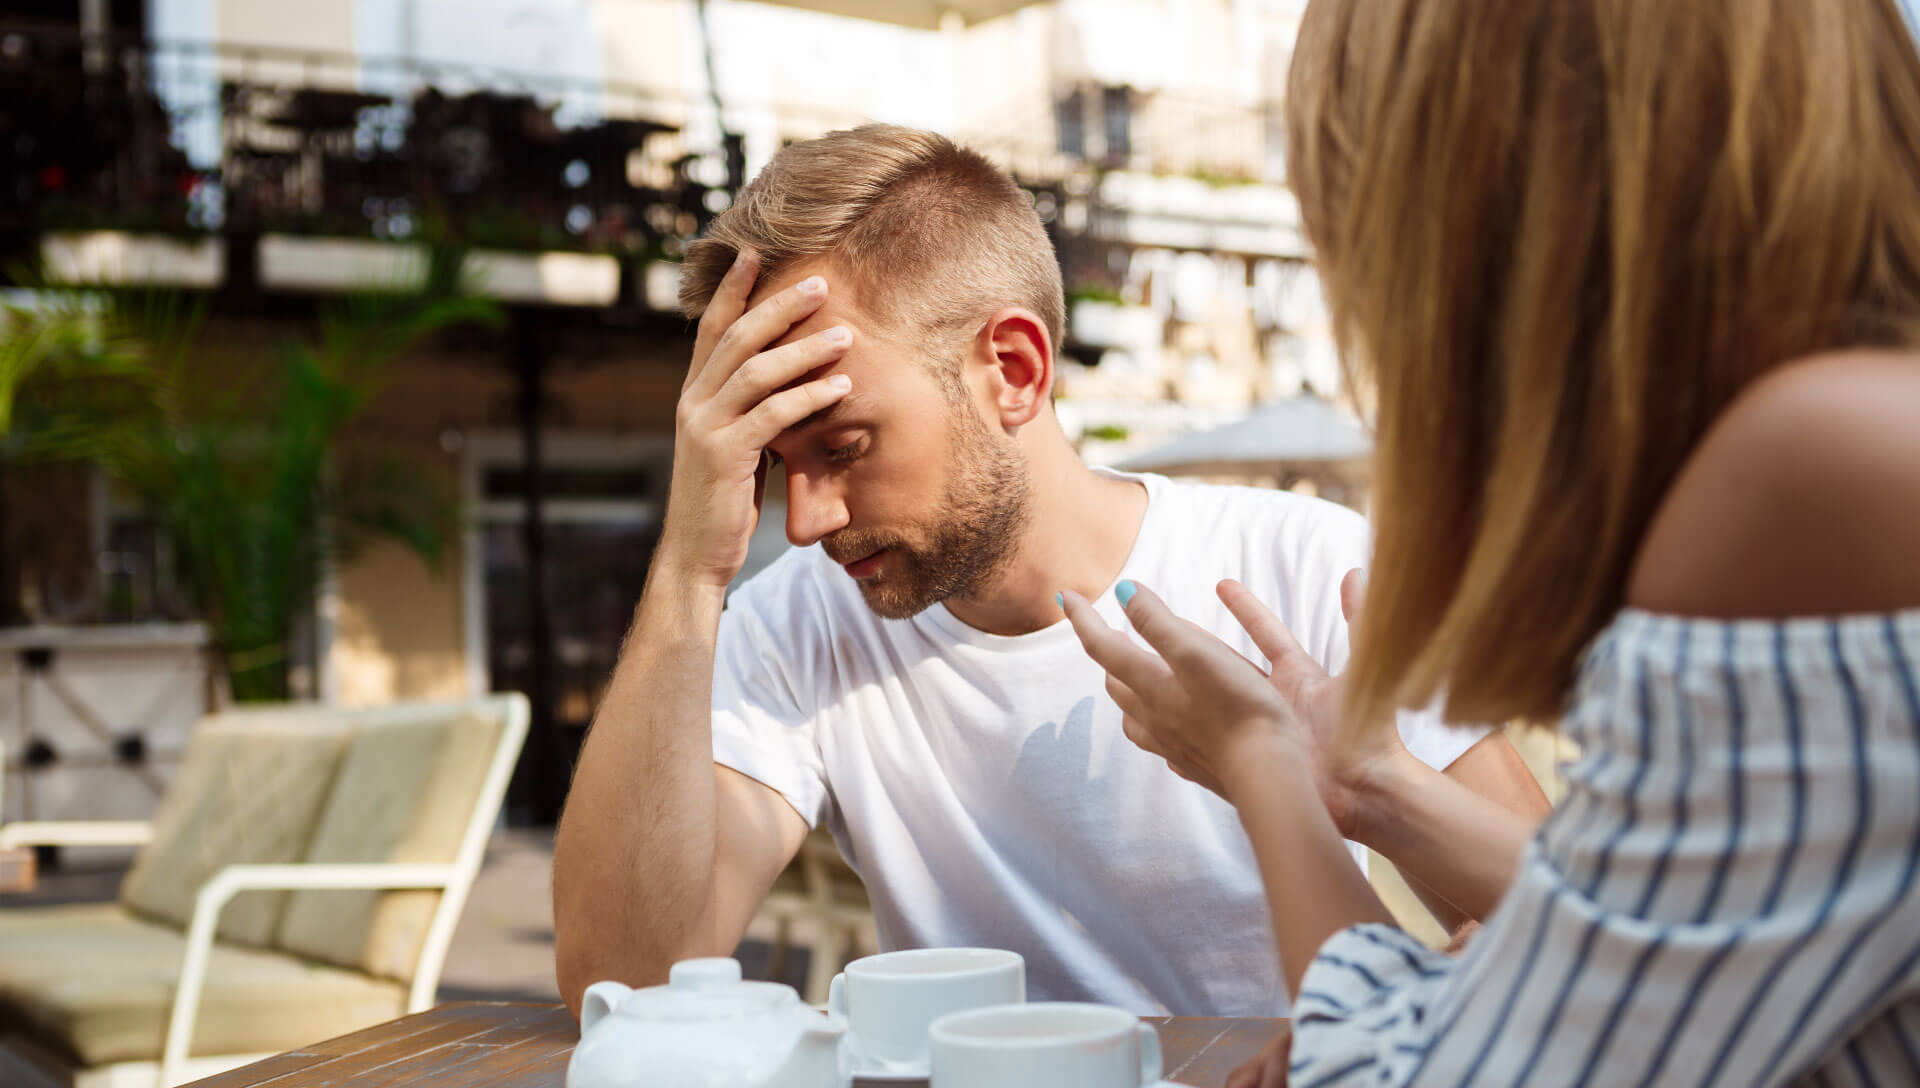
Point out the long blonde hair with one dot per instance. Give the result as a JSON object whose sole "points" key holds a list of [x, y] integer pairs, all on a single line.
{"points": [[1557, 237]]}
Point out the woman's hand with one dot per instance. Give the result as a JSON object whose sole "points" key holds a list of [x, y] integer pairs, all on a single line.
{"points": [[1196, 704], [1267, 1069], [1205, 709]]}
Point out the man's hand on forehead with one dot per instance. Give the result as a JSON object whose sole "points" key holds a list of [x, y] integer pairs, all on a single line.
{"points": [[743, 390], [824, 416]]}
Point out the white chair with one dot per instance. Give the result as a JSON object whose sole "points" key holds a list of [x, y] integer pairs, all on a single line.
{"points": [[301, 878]]}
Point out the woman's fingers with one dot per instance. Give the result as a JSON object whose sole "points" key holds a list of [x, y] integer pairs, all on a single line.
{"points": [[1353, 593], [1140, 735], [1111, 649], [1294, 671], [1180, 644], [1261, 625], [1126, 699]]}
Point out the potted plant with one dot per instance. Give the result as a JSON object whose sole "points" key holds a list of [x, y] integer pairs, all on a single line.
{"points": [[250, 484]]}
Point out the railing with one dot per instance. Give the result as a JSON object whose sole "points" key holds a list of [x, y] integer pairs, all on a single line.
{"points": [[195, 137]]}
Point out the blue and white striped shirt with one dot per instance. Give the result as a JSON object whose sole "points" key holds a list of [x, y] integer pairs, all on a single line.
{"points": [[1729, 894]]}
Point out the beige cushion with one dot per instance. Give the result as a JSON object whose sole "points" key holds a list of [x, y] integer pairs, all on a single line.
{"points": [[405, 793], [247, 791], [95, 984]]}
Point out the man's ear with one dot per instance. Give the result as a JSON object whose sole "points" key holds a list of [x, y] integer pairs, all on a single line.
{"points": [[1016, 353]]}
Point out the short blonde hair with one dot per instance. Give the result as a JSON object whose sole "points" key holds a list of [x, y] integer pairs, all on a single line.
{"points": [[1557, 238], [934, 236]]}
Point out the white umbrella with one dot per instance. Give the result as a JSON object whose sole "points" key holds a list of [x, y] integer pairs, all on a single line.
{"points": [[1299, 431], [920, 14]]}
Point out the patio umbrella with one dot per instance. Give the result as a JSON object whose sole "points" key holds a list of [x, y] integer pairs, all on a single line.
{"points": [[1299, 431], [919, 14]]}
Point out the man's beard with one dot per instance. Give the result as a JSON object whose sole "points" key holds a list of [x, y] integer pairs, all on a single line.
{"points": [[973, 536]]}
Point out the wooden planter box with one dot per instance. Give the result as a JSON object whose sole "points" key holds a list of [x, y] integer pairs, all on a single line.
{"points": [[554, 279], [1113, 325], [298, 263], [121, 257]]}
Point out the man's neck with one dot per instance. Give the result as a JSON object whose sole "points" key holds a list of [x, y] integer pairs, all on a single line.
{"points": [[1080, 529]]}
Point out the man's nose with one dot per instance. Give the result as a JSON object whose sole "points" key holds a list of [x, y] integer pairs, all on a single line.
{"points": [[814, 508]]}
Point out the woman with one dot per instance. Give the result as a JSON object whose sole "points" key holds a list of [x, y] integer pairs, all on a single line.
{"points": [[1634, 288]]}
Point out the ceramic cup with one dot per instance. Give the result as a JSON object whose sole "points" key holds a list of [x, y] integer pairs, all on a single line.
{"points": [[1045, 1045], [890, 999]]}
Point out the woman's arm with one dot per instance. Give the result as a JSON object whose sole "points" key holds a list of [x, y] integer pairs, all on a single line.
{"points": [[1313, 887]]}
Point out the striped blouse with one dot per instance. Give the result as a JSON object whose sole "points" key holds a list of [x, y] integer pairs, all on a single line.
{"points": [[1727, 896]]}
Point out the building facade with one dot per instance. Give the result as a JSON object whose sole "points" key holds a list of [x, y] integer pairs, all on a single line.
{"points": [[572, 145]]}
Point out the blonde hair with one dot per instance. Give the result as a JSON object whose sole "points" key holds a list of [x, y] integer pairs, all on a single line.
{"points": [[933, 235], [1557, 237]]}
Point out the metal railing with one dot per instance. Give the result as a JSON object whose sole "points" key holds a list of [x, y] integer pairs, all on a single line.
{"points": [[187, 137], [195, 137]]}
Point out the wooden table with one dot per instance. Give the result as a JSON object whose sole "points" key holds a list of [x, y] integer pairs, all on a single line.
{"points": [[526, 1046]]}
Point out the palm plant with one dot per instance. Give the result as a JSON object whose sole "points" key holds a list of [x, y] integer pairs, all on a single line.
{"points": [[247, 481]]}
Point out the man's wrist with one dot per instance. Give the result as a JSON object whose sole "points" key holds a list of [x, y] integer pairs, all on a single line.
{"points": [[675, 559], [671, 576]]}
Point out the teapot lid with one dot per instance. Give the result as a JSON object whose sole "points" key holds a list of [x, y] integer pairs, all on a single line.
{"points": [[707, 989]]}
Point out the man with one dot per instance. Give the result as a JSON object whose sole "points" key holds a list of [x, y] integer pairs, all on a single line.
{"points": [[880, 313]]}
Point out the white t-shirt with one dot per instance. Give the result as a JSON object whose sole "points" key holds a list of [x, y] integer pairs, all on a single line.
{"points": [[981, 784]]}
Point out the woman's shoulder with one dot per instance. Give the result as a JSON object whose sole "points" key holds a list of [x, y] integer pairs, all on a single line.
{"points": [[1803, 499]]}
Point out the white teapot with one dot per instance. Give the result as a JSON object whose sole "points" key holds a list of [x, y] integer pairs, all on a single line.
{"points": [[706, 1029]]}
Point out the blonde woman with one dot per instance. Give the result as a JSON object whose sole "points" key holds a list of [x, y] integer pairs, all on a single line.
{"points": [[1634, 289]]}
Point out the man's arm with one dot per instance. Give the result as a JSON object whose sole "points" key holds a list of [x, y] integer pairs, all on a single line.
{"points": [[661, 855], [1426, 843]]}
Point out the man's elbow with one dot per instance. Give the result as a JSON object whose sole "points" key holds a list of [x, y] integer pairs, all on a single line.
{"points": [[1494, 769], [584, 954], [573, 971]]}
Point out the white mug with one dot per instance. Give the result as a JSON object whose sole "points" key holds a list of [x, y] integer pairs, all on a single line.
{"points": [[1045, 1045], [890, 999]]}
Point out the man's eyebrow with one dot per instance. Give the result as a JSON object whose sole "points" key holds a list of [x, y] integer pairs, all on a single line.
{"points": [[826, 415]]}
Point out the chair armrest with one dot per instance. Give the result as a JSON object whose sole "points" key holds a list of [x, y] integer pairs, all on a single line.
{"points": [[234, 879], [304, 877], [76, 833]]}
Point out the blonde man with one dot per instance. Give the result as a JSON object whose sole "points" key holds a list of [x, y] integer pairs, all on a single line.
{"points": [[879, 314]]}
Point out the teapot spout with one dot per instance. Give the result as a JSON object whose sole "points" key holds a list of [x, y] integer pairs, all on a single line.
{"points": [[818, 1059], [600, 999]]}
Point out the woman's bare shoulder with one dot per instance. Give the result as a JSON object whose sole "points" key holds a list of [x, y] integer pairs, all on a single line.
{"points": [[1803, 499]]}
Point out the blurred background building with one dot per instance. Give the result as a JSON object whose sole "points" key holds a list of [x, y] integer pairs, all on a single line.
{"points": [[263, 159]]}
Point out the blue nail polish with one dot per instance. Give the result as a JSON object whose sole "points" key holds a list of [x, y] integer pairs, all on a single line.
{"points": [[1060, 600], [1124, 591]]}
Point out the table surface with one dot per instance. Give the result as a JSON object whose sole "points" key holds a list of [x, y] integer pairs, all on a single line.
{"points": [[526, 1046]]}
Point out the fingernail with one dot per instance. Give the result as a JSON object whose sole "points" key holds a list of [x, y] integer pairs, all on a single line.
{"points": [[742, 259], [1060, 601], [838, 336], [813, 285], [1124, 592], [840, 383]]}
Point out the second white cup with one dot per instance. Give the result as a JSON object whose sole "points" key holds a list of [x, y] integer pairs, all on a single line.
{"points": [[891, 999], [1046, 1045]]}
